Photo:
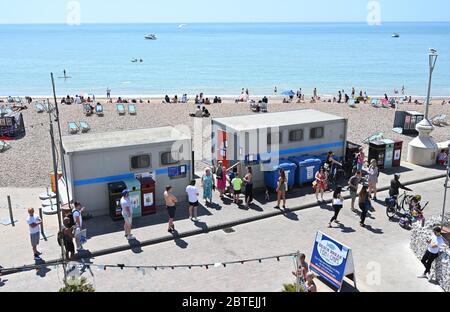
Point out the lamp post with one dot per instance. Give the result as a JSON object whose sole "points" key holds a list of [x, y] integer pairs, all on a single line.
{"points": [[422, 149]]}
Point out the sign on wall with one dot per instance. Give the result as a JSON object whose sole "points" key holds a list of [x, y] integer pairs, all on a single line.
{"points": [[332, 261]]}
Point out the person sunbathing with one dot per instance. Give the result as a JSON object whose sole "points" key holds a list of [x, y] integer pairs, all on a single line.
{"points": [[205, 112]]}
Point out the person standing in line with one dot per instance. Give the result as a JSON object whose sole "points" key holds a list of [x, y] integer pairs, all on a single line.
{"points": [[320, 184], [34, 221], [364, 204], [432, 252], [67, 238], [248, 179], [338, 203], [281, 189], [221, 179], [237, 187], [373, 178], [192, 192], [127, 213], [108, 93], [78, 221], [171, 202], [208, 185], [231, 175], [360, 159], [353, 183]]}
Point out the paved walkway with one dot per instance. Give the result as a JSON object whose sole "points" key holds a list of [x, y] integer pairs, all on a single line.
{"points": [[106, 236]]}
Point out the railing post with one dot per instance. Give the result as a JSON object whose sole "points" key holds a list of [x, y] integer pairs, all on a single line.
{"points": [[10, 211]]}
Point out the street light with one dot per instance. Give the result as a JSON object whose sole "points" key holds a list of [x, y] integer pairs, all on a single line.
{"points": [[432, 58]]}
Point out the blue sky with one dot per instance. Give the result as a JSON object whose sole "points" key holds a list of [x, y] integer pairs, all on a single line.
{"points": [[189, 11]]}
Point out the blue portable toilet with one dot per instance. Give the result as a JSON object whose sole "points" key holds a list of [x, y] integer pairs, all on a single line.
{"points": [[308, 169], [297, 160]]}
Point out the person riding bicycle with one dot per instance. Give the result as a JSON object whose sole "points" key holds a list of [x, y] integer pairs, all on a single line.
{"points": [[396, 185]]}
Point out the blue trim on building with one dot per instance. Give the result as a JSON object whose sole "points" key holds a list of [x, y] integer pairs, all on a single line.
{"points": [[120, 177], [303, 149]]}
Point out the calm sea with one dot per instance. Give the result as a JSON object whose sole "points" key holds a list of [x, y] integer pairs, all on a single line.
{"points": [[223, 58]]}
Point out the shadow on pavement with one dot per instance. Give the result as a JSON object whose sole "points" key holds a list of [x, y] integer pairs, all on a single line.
{"points": [[374, 230], [3, 282], [41, 271], [178, 241], [201, 225], [135, 245]]}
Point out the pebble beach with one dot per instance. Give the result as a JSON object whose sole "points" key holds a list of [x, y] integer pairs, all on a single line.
{"points": [[28, 162]]}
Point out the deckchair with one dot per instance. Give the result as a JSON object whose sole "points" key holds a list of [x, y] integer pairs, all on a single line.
{"points": [[39, 107], [84, 126], [99, 109], [439, 120], [87, 109], [384, 103], [132, 109], [120, 109], [73, 127], [351, 103], [4, 146]]}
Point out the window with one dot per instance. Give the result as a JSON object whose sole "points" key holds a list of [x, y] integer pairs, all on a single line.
{"points": [[274, 134], [167, 159], [296, 135], [140, 161], [316, 133]]}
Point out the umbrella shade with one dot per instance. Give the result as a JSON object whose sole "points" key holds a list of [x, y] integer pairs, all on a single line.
{"points": [[288, 93]]}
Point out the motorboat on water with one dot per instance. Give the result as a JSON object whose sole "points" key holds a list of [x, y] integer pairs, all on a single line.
{"points": [[395, 35], [150, 37]]}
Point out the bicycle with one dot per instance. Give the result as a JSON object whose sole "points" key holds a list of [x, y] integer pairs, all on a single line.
{"points": [[400, 205]]}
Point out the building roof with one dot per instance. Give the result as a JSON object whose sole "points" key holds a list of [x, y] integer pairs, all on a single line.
{"points": [[266, 120], [115, 139]]}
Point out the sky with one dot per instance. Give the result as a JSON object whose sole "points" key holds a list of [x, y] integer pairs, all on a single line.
{"points": [[191, 11]]}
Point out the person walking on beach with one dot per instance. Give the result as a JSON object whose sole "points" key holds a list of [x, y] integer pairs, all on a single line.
{"points": [[248, 179], [281, 189], [353, 92], [127, 213], [434, 245], [275, 90], [337, 203], [364, 204], [192, 192], [171, 202], [373, 178], [339, 97], [360, 159], [315, 93], [34, 221], [78, 223], [237, 187], [353, 187], [320, 184], [221, 179], [108, 93], [208, 185], [346, 98]]}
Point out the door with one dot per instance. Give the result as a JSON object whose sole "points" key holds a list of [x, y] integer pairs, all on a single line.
{"points": [[222, 145]]}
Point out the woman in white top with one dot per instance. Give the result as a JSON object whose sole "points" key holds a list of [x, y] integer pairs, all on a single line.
{"points": [[338, 202]]}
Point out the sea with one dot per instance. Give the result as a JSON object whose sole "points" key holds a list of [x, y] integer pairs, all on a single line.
{"points": [[221, 59]]}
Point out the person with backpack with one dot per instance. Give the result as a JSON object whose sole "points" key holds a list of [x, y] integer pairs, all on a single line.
{"points": [[221, 181], [66, 236]]}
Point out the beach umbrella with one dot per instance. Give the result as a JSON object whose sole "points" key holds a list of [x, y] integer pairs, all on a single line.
{"points": [[288, 93]]}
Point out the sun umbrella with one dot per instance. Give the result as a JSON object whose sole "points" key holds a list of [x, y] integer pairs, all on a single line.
{"points": [[288, 93]]}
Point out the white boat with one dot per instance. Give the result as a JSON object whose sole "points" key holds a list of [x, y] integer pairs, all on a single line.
{"points": [[150, 37], [395, 35]]}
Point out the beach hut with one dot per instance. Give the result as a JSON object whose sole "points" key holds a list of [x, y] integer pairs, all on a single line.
{"points": [[261, 140], [100, 165]]}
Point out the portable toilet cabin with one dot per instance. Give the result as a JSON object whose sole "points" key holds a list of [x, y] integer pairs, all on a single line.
{"points": [[132, 157], [257, 140]]}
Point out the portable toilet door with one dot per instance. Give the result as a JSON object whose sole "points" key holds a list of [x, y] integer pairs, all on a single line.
{"points": [[389, 154], [222, 146]]}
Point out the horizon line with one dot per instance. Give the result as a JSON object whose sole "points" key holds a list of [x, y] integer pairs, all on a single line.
{"points": [[224, 22]]}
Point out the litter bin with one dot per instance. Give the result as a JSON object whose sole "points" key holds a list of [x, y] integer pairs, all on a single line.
{"points": [[148, 195], [271, 176], [134, 186], [115, 194], [308, 170], [296, 160], [377, 151], [396, 161], [389, 155], [350, 151]]}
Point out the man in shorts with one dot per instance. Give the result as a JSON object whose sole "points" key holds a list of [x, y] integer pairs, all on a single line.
{"points": [[127, 213], [33, 222], [353, 187], [192, 192], [171, 201]]}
